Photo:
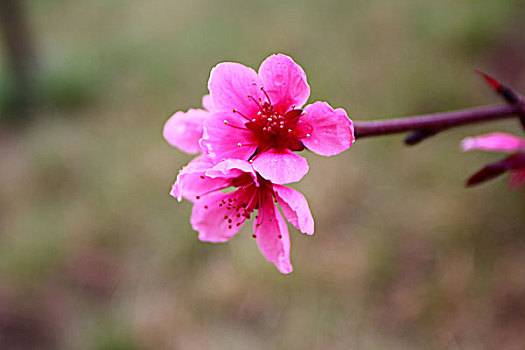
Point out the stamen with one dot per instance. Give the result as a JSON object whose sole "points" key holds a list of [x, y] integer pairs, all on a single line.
{"points": [[256, 102], [242, 115], [265, 94], [234, 126]]}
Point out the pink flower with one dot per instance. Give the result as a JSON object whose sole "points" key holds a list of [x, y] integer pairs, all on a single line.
{"points": [[258, 117], [499, 142], [184, 129], [218, 216]]}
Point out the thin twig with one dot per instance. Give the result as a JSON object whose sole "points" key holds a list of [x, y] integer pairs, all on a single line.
{"points": [[420, 127], [436, 121]]}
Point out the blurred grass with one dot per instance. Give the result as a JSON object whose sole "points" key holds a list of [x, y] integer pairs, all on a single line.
{"points": [[403, 256]]}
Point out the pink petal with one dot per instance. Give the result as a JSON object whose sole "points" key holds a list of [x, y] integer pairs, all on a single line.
{"points": [[214, 222], [207, 103], [332, 132], [231, 169], [498, 141], [221, 140], [272, 235], [285, 82], [192, 182], [230, 84], [295, 208], [184, 129], [280, 166]]}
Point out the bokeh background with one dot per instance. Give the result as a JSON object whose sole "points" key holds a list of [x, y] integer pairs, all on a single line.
{"points": [[94, 253]]}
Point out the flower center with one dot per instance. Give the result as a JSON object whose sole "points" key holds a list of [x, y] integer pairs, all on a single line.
{"points": [[240, 204], [273, 130]]}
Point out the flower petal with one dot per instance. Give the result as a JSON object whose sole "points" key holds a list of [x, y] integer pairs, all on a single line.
{"points": [[514, 162], [332, 132], [498, 141], [295, 208], [272, 235], [285, 82], [214, 222], [231, 169], [207, 103], [192, 182], [280, 166], [221, 141], [230, 85], [184, 130]]}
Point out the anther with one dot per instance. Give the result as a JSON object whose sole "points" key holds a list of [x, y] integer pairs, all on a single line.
{"points": [[202, 177], [280, 236], [289, 130], [239, 144], [205, 207], [307, 135], [254, 235], [197, 197]]}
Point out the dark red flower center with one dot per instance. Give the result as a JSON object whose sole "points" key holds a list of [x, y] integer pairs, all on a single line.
{"points": [[244, 200], [273, 130]]}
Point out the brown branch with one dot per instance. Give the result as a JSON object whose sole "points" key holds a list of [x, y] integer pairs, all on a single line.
{"points": [[435, 122]]}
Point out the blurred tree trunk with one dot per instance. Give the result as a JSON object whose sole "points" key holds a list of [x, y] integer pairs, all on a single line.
{"points": [[21, 58]]}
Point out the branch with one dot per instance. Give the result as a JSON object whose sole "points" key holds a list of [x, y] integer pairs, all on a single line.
{"points": [[434, 122], [424, 126]]}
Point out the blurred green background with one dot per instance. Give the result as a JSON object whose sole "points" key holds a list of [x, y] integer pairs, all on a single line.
{"points": [[94, 253]]}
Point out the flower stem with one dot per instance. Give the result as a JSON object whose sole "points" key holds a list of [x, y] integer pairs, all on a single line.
{"points": [[426, 125]]}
